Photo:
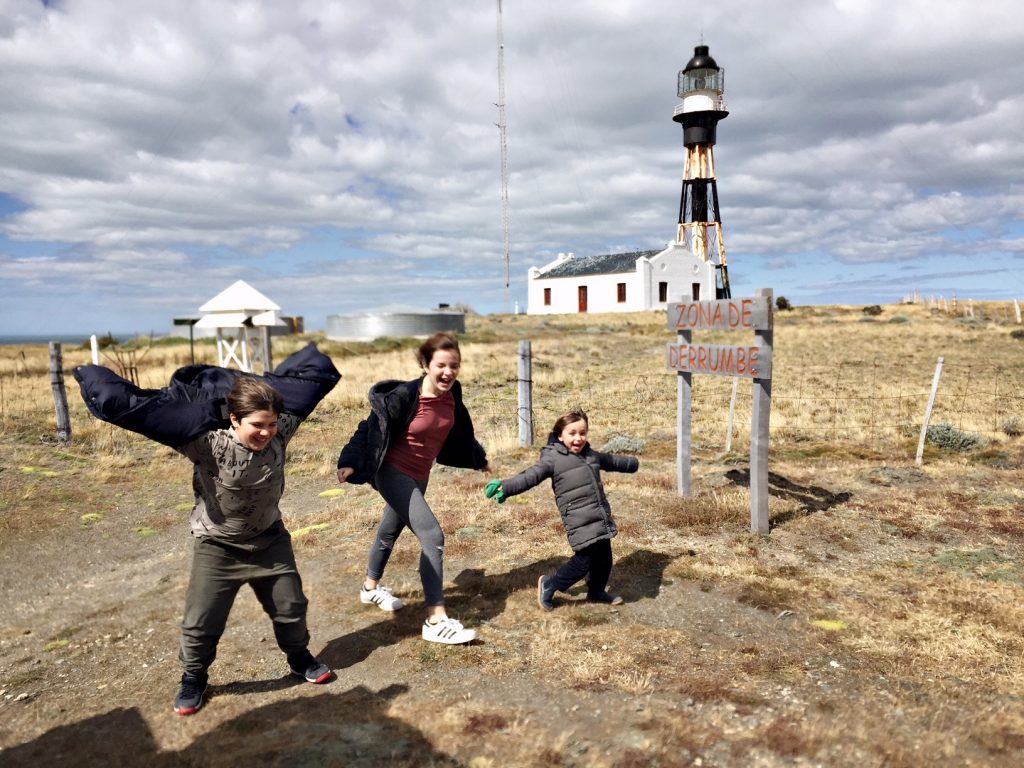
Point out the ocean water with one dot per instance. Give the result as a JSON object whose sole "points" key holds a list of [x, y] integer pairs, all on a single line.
{"points": [[67, 339]]}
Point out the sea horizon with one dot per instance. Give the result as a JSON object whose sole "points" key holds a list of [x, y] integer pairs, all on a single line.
{"points": [[77, 339]]}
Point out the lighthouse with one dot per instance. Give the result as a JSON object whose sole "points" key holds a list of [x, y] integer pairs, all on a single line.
{"points": [[701, 88]]}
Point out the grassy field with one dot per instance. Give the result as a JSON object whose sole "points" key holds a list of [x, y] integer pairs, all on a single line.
{"points": [[878, 624]]}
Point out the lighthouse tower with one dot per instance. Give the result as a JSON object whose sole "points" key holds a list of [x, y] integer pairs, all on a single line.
{"points": [[701, 88]]}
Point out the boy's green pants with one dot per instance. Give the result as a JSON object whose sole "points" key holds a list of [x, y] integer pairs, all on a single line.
{"points": [[218, 572]]}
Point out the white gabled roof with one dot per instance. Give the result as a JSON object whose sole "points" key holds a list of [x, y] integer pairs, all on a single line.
{"points": [[239, 297], [222, 320]]}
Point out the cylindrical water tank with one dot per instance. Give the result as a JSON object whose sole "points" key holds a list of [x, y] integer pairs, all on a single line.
{"points": [[374, 325]]}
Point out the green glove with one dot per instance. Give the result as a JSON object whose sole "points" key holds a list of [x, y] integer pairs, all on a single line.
{"points": [[493, 490]]}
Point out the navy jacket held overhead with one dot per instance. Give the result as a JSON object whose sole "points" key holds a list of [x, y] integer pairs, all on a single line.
{"points": [[194, 401], [579, 492], [392, 408]]}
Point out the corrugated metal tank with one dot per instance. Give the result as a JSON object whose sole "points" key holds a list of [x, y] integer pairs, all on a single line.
{"points": [[375, 325]]}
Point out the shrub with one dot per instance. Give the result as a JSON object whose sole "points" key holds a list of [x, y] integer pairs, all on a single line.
{"points": [[782, 304], [623, 443], [1017, 333], [1012, 426], [873, 310], [899, 319], [949, 437]]}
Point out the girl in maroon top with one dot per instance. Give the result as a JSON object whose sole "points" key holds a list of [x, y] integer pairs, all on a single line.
{"points": [[410, 425]]}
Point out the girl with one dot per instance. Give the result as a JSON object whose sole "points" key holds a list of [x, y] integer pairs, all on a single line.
{"points": [[574, 468], [410, 425], [238, 479]]}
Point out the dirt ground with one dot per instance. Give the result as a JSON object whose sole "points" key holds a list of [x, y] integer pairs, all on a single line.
{"points": [[88, 667]]}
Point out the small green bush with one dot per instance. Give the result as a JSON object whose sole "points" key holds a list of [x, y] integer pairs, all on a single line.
{"points": [[873, 310], [949, 437], [623, 443], [1017, 333], [899, 319], [782, 304], [1012, 426]]}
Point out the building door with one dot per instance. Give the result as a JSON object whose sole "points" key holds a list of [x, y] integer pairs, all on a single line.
{"points": [[583, 298], [696, 291]]}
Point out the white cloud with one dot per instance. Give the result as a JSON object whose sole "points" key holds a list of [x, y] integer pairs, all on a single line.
{"points": [[154, 152]]}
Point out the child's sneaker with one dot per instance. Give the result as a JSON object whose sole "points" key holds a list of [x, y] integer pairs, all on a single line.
{"points": [[604, 597], [447, 631], [381, 597], [309, 668], [190, 696], [545, 594]]}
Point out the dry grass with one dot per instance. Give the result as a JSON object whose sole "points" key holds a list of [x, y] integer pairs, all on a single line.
{"points": [[883, 588]]}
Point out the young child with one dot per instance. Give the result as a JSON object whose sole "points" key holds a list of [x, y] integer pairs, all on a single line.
{"points": [[575, 471], [238, 479], [410, 425]]}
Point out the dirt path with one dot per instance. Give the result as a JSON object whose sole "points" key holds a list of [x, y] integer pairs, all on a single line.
{"points": [[88, 666]]}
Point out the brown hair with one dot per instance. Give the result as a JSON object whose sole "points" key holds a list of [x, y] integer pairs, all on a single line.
{"points": [[567, 418], [440, 340], [250, 394]]}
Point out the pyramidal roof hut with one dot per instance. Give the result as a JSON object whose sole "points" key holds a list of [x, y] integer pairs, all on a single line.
{"points": [[242, 317]]}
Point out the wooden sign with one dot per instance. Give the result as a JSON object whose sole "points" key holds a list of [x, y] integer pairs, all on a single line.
{"points": [[752, 362], [746, 314]]}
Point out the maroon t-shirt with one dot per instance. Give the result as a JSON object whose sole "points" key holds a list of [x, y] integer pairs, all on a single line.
{"points": [[414, 454]]}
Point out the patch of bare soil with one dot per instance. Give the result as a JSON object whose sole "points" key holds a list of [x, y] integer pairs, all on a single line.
{"points": [[689, 671]]}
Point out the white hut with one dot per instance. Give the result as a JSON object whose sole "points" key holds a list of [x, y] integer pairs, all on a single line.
{"points": [[242, 318]]}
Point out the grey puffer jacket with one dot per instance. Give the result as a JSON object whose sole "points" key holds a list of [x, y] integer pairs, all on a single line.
{"points": [[579, 493]]}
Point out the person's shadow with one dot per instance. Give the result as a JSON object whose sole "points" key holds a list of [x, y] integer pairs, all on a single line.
{"points": [[812, 498], [350, 728], [478, 597]]}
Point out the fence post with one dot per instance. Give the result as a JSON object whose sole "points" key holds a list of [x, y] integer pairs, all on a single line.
{"points": [[732, 414], [525, 394], [928, 412], [684, 401], [760, 418], [60, 395], [1016, 308], [94, 346]]}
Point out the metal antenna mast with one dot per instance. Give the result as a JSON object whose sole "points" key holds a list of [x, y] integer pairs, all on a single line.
{"points": [[502, 132]]}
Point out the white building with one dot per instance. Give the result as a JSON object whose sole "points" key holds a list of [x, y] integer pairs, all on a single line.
{"points": [[620, 282], [242, 318]]}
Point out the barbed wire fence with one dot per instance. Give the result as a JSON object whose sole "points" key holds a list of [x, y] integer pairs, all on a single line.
{"points": [[869, 404]]}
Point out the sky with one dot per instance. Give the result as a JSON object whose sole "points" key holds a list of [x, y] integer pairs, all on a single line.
{"points": [[342, 157]]}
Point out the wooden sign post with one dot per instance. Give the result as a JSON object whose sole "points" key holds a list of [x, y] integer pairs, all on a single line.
{"points": [[752, 361]]}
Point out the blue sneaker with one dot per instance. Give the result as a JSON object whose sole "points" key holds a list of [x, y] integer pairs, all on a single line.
{"points": [[190, 696], [604, 597], [545, 594]]}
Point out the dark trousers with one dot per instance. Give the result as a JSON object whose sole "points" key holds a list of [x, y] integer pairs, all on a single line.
{"points": [[595, 559], [218, 572]]}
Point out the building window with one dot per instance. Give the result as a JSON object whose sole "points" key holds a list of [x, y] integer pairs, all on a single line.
{"points": [[622, 293], [662, 292], [547, 297]]}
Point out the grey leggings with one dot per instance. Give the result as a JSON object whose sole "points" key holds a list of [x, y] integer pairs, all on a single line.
{"points": [[406, 507]]}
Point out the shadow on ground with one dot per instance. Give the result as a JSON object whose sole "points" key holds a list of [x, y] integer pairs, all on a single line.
{"points": [[349, 728], [812, 498]]}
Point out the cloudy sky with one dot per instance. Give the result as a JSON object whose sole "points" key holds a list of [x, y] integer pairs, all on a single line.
{"points": [[342, 156]]}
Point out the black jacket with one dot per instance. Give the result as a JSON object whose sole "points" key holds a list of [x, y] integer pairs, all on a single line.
{"points": [[193, 402], [579, 492], [392, 408]]}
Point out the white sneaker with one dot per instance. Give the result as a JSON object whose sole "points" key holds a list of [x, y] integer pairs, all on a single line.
{"points": [[448, 631], [381, 597]]}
